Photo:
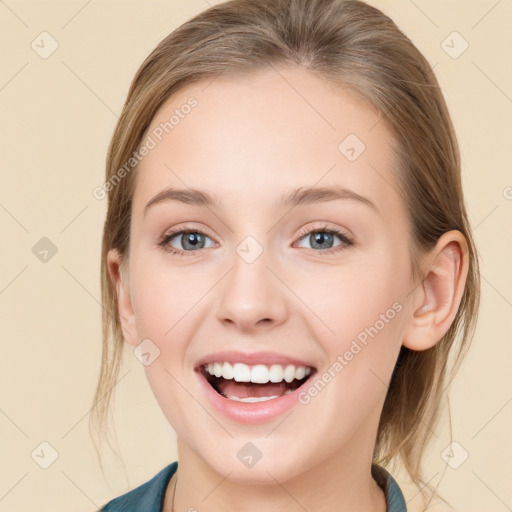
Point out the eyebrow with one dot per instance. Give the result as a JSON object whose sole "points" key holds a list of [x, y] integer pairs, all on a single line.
{"points": [[297, 197]]}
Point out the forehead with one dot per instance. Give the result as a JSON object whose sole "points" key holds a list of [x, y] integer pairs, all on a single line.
{"points": [[262, 136]]}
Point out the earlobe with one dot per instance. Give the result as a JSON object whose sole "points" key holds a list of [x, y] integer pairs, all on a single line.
{"points": [[123, 299], [436, 301]]}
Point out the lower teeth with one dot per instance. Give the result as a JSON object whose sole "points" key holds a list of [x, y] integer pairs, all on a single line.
{"points": [[253, 399]]}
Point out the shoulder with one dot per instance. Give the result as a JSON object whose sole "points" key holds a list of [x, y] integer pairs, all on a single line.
{"points": [[394, 497], [148, 497]]}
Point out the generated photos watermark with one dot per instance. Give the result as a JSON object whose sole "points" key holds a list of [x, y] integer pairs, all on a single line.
{"points": [[342, 360], [150, 142]]}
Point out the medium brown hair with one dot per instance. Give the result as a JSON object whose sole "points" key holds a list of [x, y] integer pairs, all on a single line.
{"points": [[356, 46]]}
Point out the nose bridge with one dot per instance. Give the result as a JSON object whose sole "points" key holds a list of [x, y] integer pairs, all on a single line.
{"points": [[251, 295]]}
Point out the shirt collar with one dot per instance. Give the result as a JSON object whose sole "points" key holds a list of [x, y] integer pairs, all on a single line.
{"points": [[395, 501], [149, 497]]}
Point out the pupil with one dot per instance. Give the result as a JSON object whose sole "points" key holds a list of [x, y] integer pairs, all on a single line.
{"points": [[193, 239], [321, 238]]}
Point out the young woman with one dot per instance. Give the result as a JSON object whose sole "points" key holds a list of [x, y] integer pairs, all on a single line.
{"points": [[287, 249]]}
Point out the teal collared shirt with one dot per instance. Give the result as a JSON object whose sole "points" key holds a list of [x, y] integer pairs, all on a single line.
{"points": [[149, 497]]}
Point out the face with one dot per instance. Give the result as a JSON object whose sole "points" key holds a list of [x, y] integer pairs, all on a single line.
{"points": [[266, 280]]}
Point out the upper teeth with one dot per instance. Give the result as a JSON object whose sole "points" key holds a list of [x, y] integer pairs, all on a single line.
{"points": [[259, 374]]}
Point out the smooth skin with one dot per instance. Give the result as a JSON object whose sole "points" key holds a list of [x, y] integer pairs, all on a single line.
{"points": [[248, 142]]}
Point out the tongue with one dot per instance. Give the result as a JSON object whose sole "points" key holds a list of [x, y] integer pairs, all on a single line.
{"points": [[246, 389]]}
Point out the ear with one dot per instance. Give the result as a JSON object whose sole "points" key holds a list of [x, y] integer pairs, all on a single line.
{"points": [[436, 300], [124, 303]]}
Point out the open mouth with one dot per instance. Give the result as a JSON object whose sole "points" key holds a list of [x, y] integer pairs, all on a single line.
{"points": [[257, 383]]}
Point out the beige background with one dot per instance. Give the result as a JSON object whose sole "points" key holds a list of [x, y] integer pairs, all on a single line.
{"points": [[57, 117]]}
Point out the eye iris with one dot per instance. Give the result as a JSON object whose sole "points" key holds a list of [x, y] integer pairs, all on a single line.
{"points": [[321, 238], [193, 239]]}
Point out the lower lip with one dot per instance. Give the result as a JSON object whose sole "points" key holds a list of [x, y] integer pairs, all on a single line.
{"points": [[246, 412]]}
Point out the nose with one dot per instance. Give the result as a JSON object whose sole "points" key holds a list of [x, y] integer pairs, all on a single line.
{"points": [[252, 297]]}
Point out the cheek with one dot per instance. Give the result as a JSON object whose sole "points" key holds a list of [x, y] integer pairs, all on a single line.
{"points": [[363, 318], [166, 300], [365, 310], [166, 311], [356, 301]]}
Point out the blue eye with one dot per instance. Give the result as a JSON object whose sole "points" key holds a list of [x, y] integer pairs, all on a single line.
{"points": [[192, 240], [324, 236]]}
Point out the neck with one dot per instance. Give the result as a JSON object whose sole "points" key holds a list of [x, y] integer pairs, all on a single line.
{"points": [[342, 483]]}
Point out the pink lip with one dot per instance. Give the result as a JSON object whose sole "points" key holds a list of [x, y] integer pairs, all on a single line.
{"points": [[246, 412], [267, 358]]}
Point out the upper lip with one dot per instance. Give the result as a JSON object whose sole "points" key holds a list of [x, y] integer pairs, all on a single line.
{"points": [[252, 358]]}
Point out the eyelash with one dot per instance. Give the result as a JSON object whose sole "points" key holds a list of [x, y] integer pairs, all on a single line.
{"points": [[345, 239]]}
